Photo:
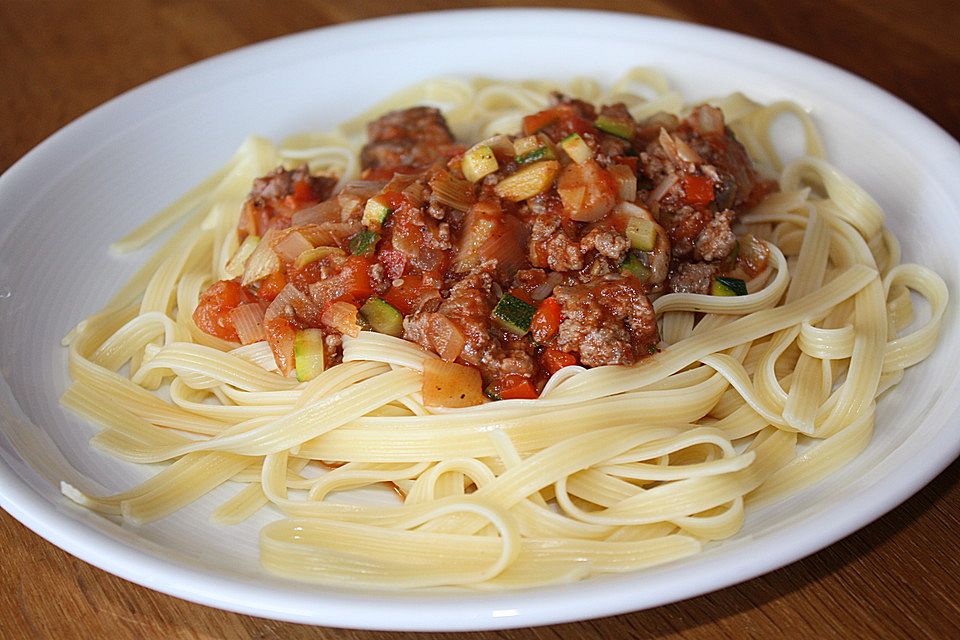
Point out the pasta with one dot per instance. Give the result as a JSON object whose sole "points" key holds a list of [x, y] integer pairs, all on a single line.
{"points": [[611, 469]]}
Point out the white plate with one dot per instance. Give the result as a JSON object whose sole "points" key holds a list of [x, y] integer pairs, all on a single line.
{"points": [[101, 175]]}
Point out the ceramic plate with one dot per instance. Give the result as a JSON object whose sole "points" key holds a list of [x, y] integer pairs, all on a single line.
{"points": [[99, 177]]}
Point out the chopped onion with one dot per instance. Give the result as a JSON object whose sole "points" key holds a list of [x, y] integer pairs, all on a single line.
{"points": [[488, 234], [263, 261], [446, 338], [666, 141], [312, 255], [247, 319], [452, 191], [330, 234], [414, 193], [234, 267], [365, 189], [710, 119], [447, 384], [342, 316], [668, 181], [328, 211], [543, 291], [626, 182], [585, 191], [292, 246], [292, 302], [686, 152], [500, 145]]}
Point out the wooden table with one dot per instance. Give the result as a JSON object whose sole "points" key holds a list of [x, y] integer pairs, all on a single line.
{"points": [[898, 578]]}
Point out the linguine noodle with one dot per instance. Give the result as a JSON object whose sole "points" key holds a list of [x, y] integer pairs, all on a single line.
{"points": [[612, 469]]}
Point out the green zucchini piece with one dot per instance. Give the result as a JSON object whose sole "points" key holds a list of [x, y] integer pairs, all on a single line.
{"points": [[642, 234], [724, 286], [382, 317], [364, 243], [615, 127], [540, 153], [308, 353], [577, 148], [375, 213], [636, 265], [525, 145], [513, 314], [491, 392]]}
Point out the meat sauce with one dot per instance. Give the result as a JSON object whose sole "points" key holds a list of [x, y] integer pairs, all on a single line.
{"points": [[518, 256]]}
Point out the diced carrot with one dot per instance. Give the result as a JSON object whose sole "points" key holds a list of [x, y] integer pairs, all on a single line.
{"points": [[303, 194], [406, 296], [565, 115], [537, 121], [546, 320], [554, 360], [356, 276], [698, 190], [517, 387]]}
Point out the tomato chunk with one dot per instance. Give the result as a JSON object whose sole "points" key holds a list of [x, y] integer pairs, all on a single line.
{"points": [[554, 360], [271, 286], [212, 313], [698, 190], [546, 321]]}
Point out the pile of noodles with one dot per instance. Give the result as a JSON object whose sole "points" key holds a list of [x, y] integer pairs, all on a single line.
{"points": [[612, 469]]}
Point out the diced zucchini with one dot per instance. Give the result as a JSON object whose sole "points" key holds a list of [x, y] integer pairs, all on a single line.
{"points": [[308, 353], [531, 149], [540, 153], [620, 128], [642, 234], [478, 162], [382, 317], [636, 265], [724, 286], [530, 180], [364, 243], [492, 392], [375, 213], [513, 314], [523, 146], [312, 255], [577, 148], [236, 264]]}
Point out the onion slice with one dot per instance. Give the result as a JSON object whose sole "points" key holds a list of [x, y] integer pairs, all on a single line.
{"points": [[263, 261], [342, 317], [247, 319], [668, 181], [446, 338], [292, 246]]}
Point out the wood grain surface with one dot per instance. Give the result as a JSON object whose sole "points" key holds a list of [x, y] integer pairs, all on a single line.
{"points": [[896, 578]]}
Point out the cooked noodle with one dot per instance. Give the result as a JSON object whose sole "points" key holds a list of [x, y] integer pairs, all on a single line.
{"points": [[612, 469]]}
